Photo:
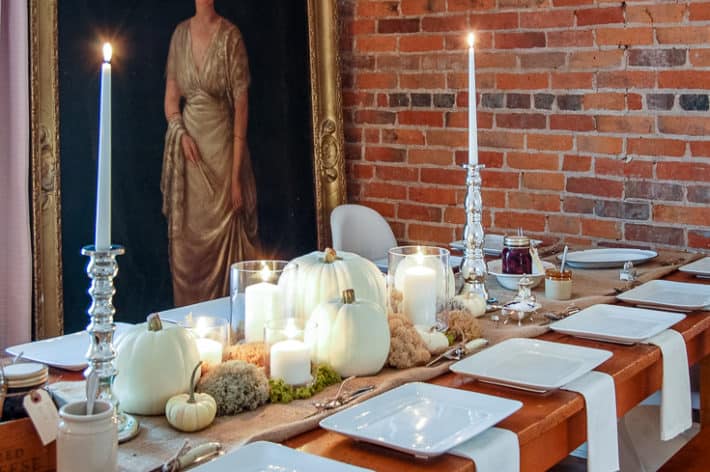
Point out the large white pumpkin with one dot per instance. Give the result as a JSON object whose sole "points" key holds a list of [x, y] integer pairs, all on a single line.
{"points": [[154, 363], [359, 338], [322, 276], [318, 331]]}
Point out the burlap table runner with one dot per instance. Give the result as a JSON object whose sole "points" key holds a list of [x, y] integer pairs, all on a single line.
{"points": [[157, 441]]}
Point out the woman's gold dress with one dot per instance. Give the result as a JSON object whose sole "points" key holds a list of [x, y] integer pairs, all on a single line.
{"points": [[206, 235]]}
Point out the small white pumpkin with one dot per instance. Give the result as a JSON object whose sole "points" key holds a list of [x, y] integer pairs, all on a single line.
{"points": [[359, 338], [322, 276], [436, 341], [193, 411], [154, 363], [318, 330]]}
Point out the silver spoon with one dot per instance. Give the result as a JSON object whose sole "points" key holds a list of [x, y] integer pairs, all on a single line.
{"points": [[92, 386], [564, 259]]}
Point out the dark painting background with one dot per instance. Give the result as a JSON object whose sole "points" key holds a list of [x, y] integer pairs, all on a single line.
{"points": [[276, 37]]}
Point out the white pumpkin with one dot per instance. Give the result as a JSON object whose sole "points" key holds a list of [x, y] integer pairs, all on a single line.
{"points": [[154, 363], [322, 276], [473, 302], [193, 411], [318, 329], [436, 342], [360, 337]]}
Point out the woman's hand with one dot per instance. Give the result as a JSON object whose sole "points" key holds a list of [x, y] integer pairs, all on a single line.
{"points": [[237, 198], [189, 148]]}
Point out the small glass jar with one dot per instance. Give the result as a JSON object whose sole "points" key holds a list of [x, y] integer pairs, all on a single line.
{"points": [[212, 336], [20, 379], [287, 355], [558, 285], [516, 258]]}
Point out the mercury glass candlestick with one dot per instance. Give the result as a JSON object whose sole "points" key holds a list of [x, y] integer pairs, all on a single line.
{"points": [[102, 269], [473, 265]]}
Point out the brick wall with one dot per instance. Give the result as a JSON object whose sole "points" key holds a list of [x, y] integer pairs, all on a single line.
{"points": [[593, 117]]}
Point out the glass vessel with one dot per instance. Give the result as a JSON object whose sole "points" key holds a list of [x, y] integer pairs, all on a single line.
{"points": [[516, 258], [287, 356], [212, 335]]}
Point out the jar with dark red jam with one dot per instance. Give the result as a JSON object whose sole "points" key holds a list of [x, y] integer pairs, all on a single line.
{"points": [[516, 258]]}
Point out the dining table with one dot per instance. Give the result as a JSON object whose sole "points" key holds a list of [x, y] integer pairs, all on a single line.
{"points": [[549, 426]]}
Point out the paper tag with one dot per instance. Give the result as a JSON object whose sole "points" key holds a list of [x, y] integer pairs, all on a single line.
{"points": [[43, 414]]}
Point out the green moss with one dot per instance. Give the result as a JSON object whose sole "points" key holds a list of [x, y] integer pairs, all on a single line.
{"points": [[281, 392]]}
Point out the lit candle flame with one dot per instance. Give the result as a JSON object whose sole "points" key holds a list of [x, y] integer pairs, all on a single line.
{"points": [[107, 52], [265, 272], [471, 40], [201, 327], [420, 256], [290, 330]]}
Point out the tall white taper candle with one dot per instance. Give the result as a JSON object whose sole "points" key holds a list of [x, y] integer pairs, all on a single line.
{"points": [[102, 235], [472, 120]]}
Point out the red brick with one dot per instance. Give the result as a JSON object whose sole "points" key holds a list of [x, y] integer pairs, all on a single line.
{"points": [[360, 27], [596, 59], [655, 14], [572, 80], [570, 38], [604, 101], [422, 118], [634, 101], [493, 198], [443, 176], [599, 16], [499, 179], [398, 62], [445, 23], [459, 42], [595, 186], [419, 212], [430, 233], [377, 9], [465, 5], [459, 119], [547, 19], [430, 156], [542, 60], [494, 21], [626, 79], [385, 209], [353, 152], [599, 144], [687, 79], [699, 11], [385, 154], [624, 124], [550, 142], [684, 215], [420, 7], [376, 80], [421, 43], [501, 139], [624, 36], [544, 180], [515, 219], [455, 215], [361, 171], [655, 147], [376, 43], [384, 190], [372, 135], [520, 40], [536, 161], [492, 160], [360, 99], [374, 117], [700, 57], [495, 60], [635, 168], [576, 163], [654, 234], [398, 25], [567, 3], [700, 148], [690, 125], [683, 35], [521, 120], [534, 201], [531, 81], [597, 228], [578, 205], [422, 81], [446, 138], [572, 122], [397, 173], [699, 239], [433, 195], [402, 136], [688, 171], [565, 224], [457, 81]]}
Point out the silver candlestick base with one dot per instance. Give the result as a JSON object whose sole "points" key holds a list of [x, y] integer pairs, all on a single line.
{"points": [[102, 269], [473, 265]]}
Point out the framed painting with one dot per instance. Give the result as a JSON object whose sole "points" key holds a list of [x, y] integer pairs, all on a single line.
{"points": [[294, 135]]}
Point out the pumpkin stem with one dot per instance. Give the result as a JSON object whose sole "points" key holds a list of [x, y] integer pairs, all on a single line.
{"points": [[330, 255], [154, 323], [348, 296], [192, 383]]}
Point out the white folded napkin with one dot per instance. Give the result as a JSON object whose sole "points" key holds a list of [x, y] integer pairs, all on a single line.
{"points": [[676, 407], [494, 450], [597, 388]]}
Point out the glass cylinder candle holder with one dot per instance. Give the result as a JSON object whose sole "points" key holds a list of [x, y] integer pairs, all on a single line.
{"points": [[257, 297], [212, 335], [420, 282], [287, 356]]}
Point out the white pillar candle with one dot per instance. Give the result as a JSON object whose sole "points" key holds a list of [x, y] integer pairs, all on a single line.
{"points": [[290, 360], [102, 235], [472, 119], [262, 303], [419, 295], [210, 351]]}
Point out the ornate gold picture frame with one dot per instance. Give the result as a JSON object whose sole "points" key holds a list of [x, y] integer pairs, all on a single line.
{"points": [[327, 133]]}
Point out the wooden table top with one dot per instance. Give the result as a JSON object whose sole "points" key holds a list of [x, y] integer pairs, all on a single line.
{"points": [[549, 427]]}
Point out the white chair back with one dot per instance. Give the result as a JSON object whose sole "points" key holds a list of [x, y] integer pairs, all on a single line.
{"points": [[361, 230]]}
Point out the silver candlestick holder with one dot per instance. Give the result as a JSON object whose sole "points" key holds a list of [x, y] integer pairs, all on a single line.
{"points": [[102, 269], [473, 265]]}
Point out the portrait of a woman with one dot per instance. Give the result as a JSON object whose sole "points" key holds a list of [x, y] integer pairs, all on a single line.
{"points": [[209, 193]]}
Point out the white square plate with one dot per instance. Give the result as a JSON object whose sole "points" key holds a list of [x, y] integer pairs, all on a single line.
{"points": [[616, 323], [263, 456], [676, 296], [607, 258], [64, 352], [492, 244], [531, 364], [701, 267], [421, 419]]}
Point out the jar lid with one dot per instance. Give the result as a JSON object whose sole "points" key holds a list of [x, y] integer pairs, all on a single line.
{"points": [[516, 241], [26, 374]]}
